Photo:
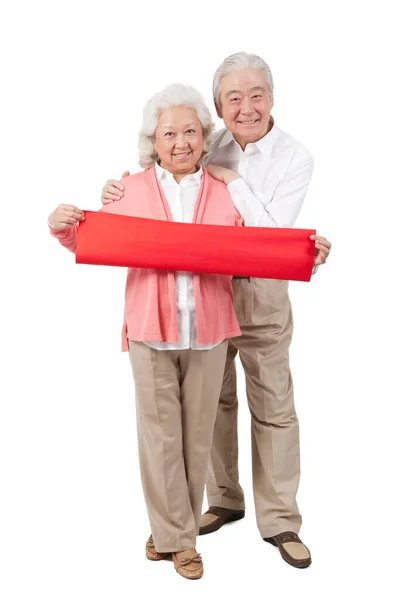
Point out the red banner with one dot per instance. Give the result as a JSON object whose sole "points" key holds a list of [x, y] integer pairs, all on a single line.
{"points": [[117, 240]]}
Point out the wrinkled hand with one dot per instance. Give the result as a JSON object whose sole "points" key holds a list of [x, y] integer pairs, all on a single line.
{"points": [[222, 174], [322, 249], [113, 190], [65, 215]]}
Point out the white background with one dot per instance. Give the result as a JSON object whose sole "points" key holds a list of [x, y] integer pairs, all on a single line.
{"points": [[75, 76]]}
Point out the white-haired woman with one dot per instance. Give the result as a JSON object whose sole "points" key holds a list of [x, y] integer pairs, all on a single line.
{"points": [[176, 325]]}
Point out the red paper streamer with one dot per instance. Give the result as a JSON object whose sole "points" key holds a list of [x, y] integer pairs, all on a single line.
{"points": [[117, 240]]}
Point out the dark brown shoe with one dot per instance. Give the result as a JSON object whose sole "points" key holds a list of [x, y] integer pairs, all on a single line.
{"points": [[292, 549], [216, 516]]}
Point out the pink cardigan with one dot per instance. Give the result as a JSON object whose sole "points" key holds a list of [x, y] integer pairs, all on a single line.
{"points": [[150, 297]]}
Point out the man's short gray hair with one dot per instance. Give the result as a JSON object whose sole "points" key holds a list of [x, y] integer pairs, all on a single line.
{"points": [[176, 94], [238, 62]]}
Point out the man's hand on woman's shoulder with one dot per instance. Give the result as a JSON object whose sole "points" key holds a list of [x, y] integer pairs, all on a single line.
{"points": [[222, 174], [113, 190]]}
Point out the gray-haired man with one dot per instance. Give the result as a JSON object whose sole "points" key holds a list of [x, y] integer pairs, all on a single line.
{"points": [[269, 171]]}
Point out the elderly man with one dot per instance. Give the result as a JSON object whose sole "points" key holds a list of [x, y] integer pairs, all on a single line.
{"points": [[269, 171]]}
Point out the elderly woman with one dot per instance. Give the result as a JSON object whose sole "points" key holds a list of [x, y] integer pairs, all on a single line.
{"points": [[178, 374]]}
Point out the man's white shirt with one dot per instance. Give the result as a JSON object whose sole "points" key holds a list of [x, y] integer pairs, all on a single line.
{"points": [[274, 176]]}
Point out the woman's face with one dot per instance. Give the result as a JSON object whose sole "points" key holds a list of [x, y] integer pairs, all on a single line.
{"points": [[179, 140]]}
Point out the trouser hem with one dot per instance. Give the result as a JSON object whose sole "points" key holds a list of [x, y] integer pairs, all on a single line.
{"points": [[224, 503]]}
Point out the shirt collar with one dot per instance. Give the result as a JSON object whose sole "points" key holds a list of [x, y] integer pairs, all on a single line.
{"points": [[164, 174], [263, 145]]}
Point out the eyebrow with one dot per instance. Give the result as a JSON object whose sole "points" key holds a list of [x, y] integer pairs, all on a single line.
{"points": [[231, 92], [257, 88], [187, 125]]}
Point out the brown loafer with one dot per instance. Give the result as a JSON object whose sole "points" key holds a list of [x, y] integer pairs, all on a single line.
{"points": [[151, 552], [292, 549], [217, 516], [189, 567]]}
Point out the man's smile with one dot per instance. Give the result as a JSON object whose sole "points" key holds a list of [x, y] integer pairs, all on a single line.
{"points": [[248, 122]]}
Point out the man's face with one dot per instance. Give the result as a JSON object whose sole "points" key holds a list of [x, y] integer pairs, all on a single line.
{"points": [[245, 105]]}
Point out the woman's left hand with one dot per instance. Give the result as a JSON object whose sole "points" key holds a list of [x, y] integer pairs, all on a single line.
{"points": [[322, 249], [222, 174]]}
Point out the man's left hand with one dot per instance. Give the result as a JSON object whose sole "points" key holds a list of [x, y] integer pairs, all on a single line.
{"points": [[222, 174], [322, 249]]}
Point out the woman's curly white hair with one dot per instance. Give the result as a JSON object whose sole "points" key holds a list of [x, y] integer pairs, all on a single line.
{"points": [[176, 94]]}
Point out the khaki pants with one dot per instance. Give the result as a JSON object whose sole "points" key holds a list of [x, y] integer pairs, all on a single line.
{"points": [[177, 394], [265, 317]]}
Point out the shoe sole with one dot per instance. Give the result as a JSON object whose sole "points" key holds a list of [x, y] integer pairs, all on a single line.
{"points": [[154, 559]]}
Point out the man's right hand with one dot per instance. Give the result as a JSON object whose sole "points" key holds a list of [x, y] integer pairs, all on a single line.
{"points": [[113, 190]]}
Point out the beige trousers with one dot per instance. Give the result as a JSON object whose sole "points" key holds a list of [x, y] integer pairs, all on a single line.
{"points": [[264, 312], [177, 394]]}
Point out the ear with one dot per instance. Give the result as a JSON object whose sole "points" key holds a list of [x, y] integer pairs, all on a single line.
{"points": [[217, 108], [271, 95]]}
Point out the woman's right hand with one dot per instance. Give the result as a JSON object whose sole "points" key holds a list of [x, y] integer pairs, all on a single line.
{"points": [[113, 190], [65, 215]]}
